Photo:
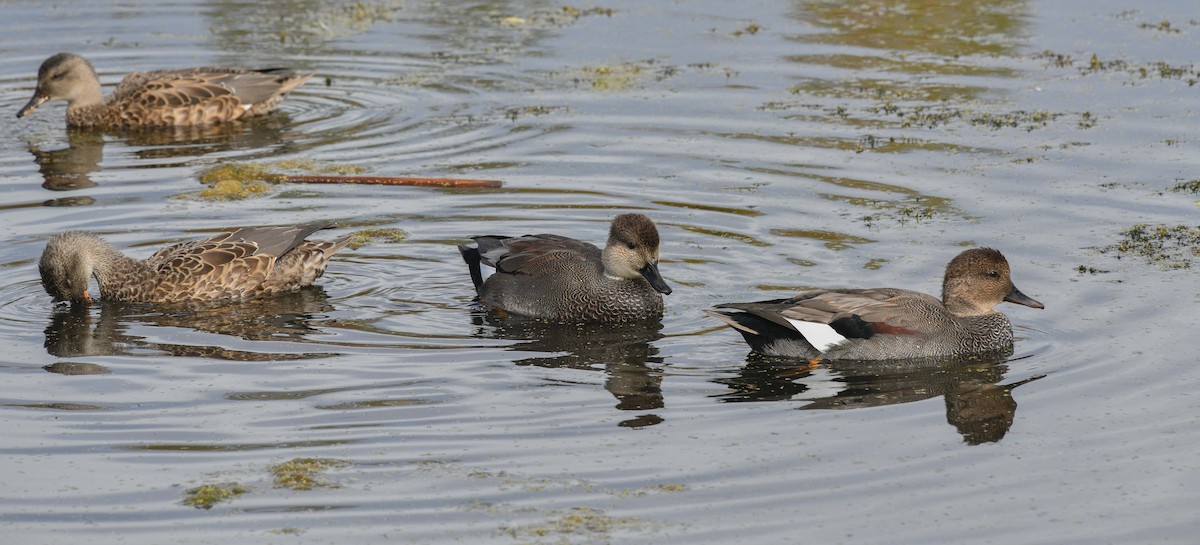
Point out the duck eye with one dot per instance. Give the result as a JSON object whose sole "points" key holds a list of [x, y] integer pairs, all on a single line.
{"points": [[631, 245], [994, 274]]}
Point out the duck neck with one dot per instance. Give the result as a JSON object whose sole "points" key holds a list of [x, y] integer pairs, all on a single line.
{"points": [[83, 116], [955, 299], [86, 95], [611, 265], [112, 269]]}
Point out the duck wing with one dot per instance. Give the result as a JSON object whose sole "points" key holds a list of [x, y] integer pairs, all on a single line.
{"points": [[234, 263], [534, 255], [849, 313], [219, 93]]}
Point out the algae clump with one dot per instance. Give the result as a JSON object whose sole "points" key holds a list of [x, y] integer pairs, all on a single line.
{"points": [[236, 181], [206, 496], [363, 237], [305, 473], [578, 521], [1168, 246]]}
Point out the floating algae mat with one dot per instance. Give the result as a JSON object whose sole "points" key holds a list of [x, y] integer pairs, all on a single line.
{"points": [[206, 496], [363, 237], [235, 181], [305, 473]]}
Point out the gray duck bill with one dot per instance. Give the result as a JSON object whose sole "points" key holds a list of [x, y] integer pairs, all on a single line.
{"points": [[650, 273]]}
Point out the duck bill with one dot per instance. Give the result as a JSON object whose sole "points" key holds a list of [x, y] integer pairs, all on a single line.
{"points": [[650, 273], [1015, 296], [37, 100]]}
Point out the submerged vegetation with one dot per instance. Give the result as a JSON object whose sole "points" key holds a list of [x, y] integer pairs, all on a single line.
{"points": [[549, 18], [1188, 74], [617, 77], [1168, 246], [930, 117], [588, 523], [1190, 186]]}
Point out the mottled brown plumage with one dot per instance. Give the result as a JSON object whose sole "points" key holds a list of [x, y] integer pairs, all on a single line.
{"points": [[189, 96], [566, 280], [890, 323], [246, 263]]}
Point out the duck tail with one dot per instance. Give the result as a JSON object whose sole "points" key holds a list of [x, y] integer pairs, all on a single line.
{"points": [[473, 258], [730, 319]]}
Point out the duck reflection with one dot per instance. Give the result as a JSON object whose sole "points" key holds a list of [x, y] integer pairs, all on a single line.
{"points": [[981, 409], [624, 352], [71, 168], [258, 133], [279, 319]]}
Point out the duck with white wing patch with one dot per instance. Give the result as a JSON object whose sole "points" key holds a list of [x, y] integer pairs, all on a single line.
{"points": [[888, 323]]}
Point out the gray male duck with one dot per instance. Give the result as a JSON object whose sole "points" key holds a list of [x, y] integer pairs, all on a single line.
{"points": [[561, 279], [241, 264], [888, 323], [163, 98]]}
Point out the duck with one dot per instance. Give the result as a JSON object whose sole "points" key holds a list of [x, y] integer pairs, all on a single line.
{"points": [[163, 98], [888, 323], [241, 264], [560, 279]]}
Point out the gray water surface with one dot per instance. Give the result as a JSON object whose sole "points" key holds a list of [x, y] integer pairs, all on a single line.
{"points": [[778, 145]]}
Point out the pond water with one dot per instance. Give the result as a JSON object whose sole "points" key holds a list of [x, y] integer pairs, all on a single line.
{"points": [[778, 145]]}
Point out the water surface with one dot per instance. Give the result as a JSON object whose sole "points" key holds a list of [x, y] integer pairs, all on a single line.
{"points": [[779, 146]]}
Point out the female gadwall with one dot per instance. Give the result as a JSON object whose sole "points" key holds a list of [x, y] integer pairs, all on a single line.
{"points": [[566, 280], [889, 323], [248, 262], [189, 96]]}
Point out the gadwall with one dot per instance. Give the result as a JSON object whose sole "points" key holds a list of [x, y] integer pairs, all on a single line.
{"points": [[249, 262], [561, 279], [889, 323], [189, 96]]}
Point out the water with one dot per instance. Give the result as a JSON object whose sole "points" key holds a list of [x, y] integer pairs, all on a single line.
{"points": [[778, 146]]}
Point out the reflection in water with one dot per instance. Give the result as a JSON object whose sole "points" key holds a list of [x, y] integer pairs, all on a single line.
{"points": [[281, 318], [77, 368], [70, 168], [976, 405], [968, 27], [623, 350], [258, 133]]}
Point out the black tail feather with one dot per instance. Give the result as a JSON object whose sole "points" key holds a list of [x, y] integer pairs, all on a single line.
{"points": [[471, 255], [760, 332]]}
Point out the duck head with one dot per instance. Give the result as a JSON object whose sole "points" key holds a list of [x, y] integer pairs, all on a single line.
{"points": [[979, 279], [632, 251], [64, 76]]}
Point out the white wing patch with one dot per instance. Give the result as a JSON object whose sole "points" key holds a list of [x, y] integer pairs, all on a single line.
{"points": [[821, 336], [246, 107]]}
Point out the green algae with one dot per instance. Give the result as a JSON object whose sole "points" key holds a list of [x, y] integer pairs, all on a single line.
{"points": [[388, 235], [552, 18], [578, 521], [1188, 74], [208, 495], [237, 181], [618, 77], [667, 488], [305, 473], [1167, 246], [751, 29], [1190, 186]]}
